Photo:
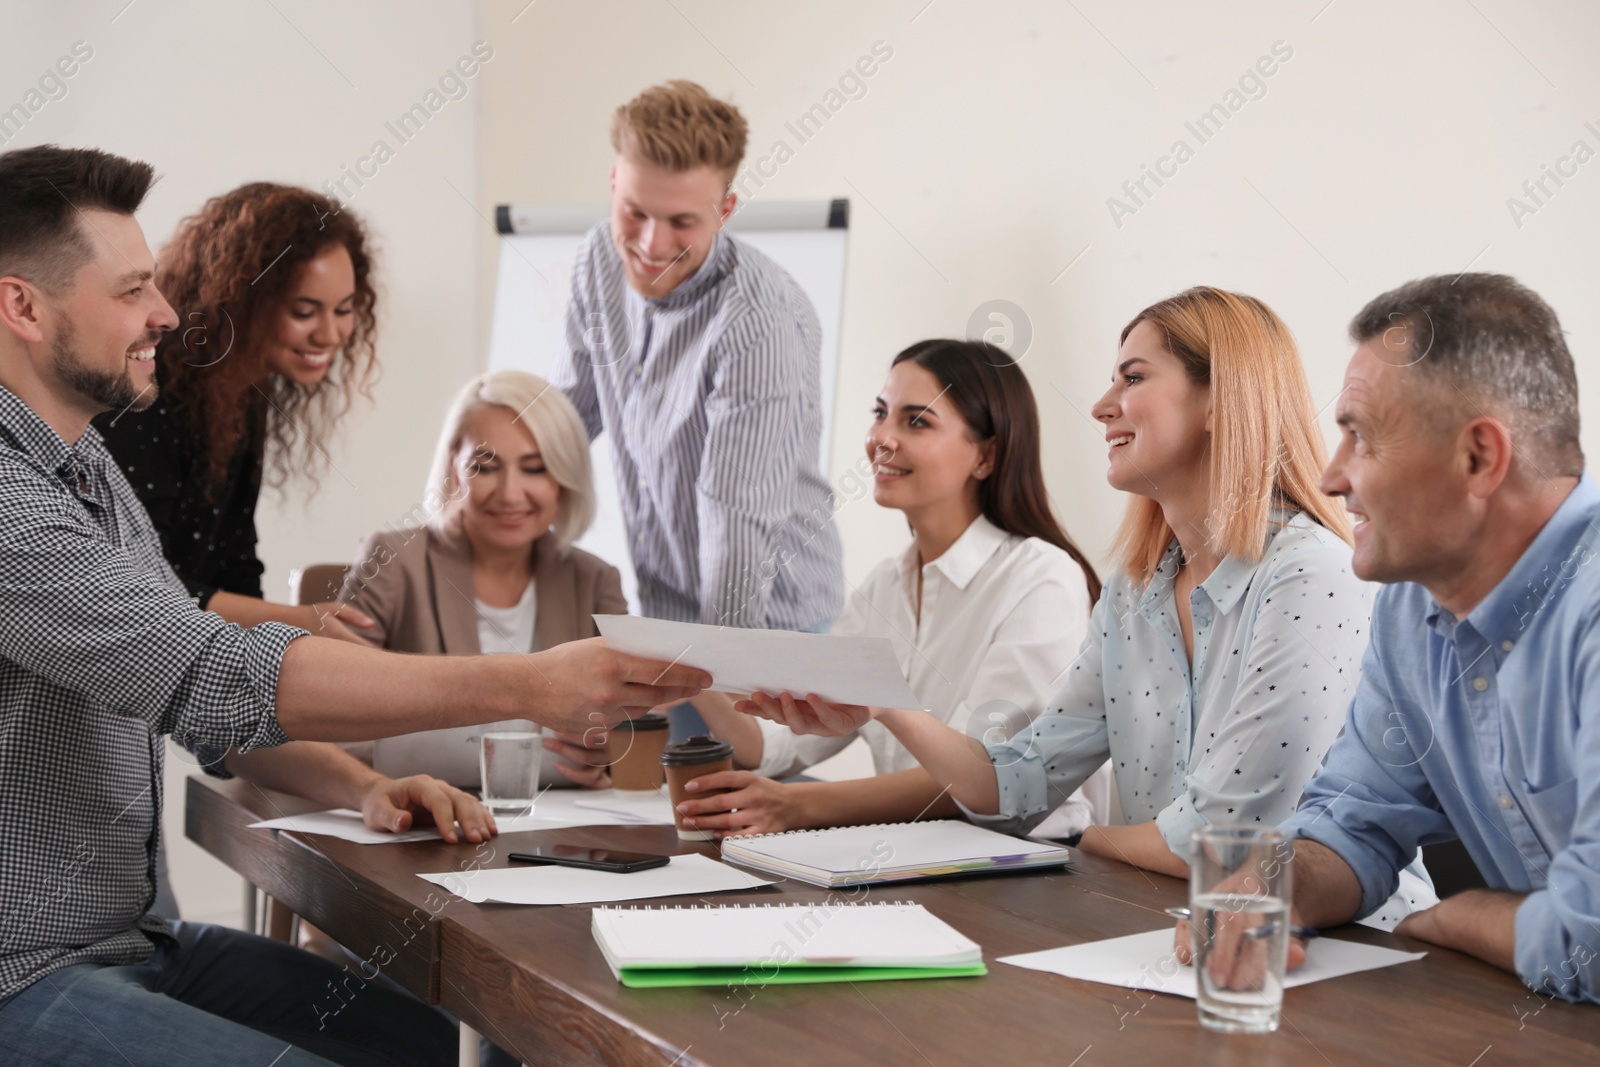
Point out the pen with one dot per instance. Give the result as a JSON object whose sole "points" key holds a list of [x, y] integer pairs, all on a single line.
{"points": [[1304, 933]]}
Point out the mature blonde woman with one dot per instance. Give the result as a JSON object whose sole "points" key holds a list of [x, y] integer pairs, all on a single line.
{"points": [[1224, 650], [494, 570]]}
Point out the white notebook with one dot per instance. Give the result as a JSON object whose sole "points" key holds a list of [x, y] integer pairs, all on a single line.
{"points": [[827, 940], [889, 852]]}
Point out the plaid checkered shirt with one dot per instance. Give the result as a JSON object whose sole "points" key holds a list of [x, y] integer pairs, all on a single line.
{"points": [[102, 651]]}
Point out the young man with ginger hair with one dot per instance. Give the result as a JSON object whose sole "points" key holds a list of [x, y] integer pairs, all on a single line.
{"points": [[701, 358]]}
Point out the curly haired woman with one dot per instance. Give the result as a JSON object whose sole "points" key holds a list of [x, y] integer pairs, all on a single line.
{"points": [[273, 288]]}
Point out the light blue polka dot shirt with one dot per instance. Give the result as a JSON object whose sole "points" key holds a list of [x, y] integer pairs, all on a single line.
{"points": [[1277, 654]]}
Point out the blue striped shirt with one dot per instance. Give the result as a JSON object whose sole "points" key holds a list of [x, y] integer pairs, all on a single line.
{"points": [[712, 398]]}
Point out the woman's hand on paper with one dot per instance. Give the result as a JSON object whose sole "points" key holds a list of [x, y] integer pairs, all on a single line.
{"points": [[812, 715], [584, 758], [756, 805]]}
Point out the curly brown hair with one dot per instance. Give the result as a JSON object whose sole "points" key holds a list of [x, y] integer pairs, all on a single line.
{"points": [[227, 272]]}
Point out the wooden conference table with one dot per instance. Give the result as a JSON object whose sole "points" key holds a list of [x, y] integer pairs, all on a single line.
{"points": [[533, 979]]}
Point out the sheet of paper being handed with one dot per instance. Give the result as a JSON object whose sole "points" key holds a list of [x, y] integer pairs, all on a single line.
{"points": [[842, 671]]}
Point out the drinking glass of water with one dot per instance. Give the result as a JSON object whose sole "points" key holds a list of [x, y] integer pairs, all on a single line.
{"points": [[1239, 896], [508, 763]]}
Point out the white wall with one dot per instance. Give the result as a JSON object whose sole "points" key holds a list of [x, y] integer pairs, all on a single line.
{"points": [[979, 163], [981, 157], [219, 94]]}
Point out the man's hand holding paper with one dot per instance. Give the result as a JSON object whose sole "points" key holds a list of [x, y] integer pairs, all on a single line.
{"points": [[840, 671]]}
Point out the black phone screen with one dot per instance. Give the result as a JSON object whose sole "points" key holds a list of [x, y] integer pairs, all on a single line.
{"points": [[597, 859]]}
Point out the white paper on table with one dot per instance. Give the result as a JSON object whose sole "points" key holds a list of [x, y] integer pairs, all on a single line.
{"points": [[1146, 961], [543, 884], [348, 825], [841, 670], [601, 807], [639, 806]]}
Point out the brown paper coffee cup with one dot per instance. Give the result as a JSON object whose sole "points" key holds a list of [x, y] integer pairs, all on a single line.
{"points": [[685, 761], [636, 746]]}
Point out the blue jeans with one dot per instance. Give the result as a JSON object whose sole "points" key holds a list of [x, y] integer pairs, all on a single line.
{"points": [[216, 995]]}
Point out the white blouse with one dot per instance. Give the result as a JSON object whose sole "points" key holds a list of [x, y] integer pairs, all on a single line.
{"points": [[508, 631], [1002, 620]]}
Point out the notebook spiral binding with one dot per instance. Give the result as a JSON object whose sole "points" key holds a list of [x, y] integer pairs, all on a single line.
{"points": [[829, 829], [792, 905]]}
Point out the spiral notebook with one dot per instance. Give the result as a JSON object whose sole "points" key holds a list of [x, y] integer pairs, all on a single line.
{"points": [[889, 852], [826, 941]]}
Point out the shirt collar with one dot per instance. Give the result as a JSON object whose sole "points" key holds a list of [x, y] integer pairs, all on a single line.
{"points": [[706, 275], [1541, 574], [1159, 588], [38, 440], [963, 560], [1227, 583]]}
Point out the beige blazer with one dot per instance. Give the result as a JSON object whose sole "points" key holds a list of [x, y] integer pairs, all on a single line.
{"points": [[416, 583]]}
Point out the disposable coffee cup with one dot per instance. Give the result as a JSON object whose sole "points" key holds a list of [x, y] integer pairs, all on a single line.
{"points": [[685, 761], [636, 746]]}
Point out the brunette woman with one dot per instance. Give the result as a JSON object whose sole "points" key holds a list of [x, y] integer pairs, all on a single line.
{"points": [[985, 609]]}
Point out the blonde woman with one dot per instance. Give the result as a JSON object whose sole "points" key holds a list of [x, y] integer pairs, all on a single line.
{"points": [[494, 569], [1224, 650]]}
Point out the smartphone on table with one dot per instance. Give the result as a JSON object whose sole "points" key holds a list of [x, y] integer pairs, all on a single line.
{"points": [[592, 859]]}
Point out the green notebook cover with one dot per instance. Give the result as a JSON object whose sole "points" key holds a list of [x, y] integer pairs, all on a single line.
{"points": [[666, 977]]}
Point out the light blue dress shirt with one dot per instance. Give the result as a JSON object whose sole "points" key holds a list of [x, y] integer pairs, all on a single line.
{"points": [[1486, 728], [1277, 648]]}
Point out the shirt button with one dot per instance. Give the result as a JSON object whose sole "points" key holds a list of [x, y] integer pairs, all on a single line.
{"points": [[1505, 802], [1507, 646], [640, 539], [1480, 684]]}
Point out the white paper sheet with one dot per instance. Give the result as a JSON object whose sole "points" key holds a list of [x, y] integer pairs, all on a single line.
{"points": [[635, 806], [1146, 961], [554, 810], [346, 824], [841, 670], [539, 884], [600, 807]]}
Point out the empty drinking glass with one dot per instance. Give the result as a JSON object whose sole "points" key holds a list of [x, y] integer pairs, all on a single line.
{"points": [[508, 763]]}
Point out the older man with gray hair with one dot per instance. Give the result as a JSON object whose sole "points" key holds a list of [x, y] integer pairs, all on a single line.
{"points": [[1478, 712]]}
